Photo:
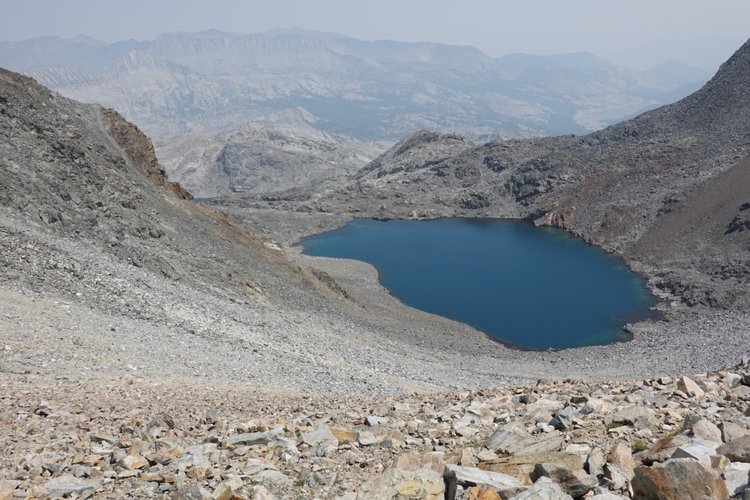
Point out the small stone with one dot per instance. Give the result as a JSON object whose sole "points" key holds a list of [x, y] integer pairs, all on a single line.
{"points": [[464, 430], [272, 477], [345, 436], [467, 458], [223, 492], [719, 463], [423, 483], [261, 493], [133, 462], [373, 420], [480, 493]]}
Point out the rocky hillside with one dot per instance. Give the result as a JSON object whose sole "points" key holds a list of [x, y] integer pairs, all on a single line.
{"points": [[207, 86], [151, 347], [668, 189]]}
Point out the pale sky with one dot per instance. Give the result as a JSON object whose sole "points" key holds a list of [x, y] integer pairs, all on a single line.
{"points": [[636, 33]]}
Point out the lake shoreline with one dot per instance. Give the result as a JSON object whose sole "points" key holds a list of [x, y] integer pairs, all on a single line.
{"points": [[373, 240], [679, 340]]}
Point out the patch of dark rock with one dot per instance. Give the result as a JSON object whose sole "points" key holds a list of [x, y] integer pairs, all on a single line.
{"points": [[738, 224]]}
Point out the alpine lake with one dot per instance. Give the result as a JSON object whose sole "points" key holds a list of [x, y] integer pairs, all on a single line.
{"points": [[528, 287]]}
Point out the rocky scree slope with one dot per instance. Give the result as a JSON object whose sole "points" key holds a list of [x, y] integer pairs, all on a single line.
{"points": [[666, 438], [668, 190], [107, 269], [121, 269]]}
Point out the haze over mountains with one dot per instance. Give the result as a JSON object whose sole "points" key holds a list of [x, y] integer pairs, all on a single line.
{"points": [[208, 85]]}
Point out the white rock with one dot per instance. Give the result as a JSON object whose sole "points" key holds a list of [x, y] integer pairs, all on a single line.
{"points": [[698, 449], [736, 477], [543, 489]]}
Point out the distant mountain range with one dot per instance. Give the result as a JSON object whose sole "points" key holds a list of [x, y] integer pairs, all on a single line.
{"points": [[382, 90], [209, 85]]}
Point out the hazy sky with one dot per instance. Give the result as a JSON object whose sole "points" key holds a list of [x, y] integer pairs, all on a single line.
{"points": [[638, 33]]}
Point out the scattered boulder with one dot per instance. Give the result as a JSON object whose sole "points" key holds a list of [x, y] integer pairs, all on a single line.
{"points": [[737, 450], [543, 489], [320, 436], [576, 483], [688, 386], [698, 449], [455, 475], [678, 479], [621, 456], [411, 476], [512, 440], [736, 477], [731, 431], [702, 428], [66, 485], [520, 466], [595, 462]]}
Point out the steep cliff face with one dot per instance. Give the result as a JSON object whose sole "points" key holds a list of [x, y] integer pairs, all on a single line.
{"points": [[140, 151]]}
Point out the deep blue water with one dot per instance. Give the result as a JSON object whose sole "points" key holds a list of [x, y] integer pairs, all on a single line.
{"points": [[534, 288]]}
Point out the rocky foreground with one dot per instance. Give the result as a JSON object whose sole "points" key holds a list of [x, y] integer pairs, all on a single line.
{"points": [[667, 438]]}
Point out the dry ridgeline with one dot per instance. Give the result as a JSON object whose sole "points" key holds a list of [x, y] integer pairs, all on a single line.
{"points": [[153, 347]]}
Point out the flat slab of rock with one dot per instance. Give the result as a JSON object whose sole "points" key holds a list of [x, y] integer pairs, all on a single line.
{"points": [[698, 449], [520, 466], [254, 438], [511, 440], [506, 485], [679, 479], [69, 485], [320, 436]]}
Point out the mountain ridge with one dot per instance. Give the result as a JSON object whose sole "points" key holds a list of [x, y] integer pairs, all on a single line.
{"points": [[615, 187]]}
